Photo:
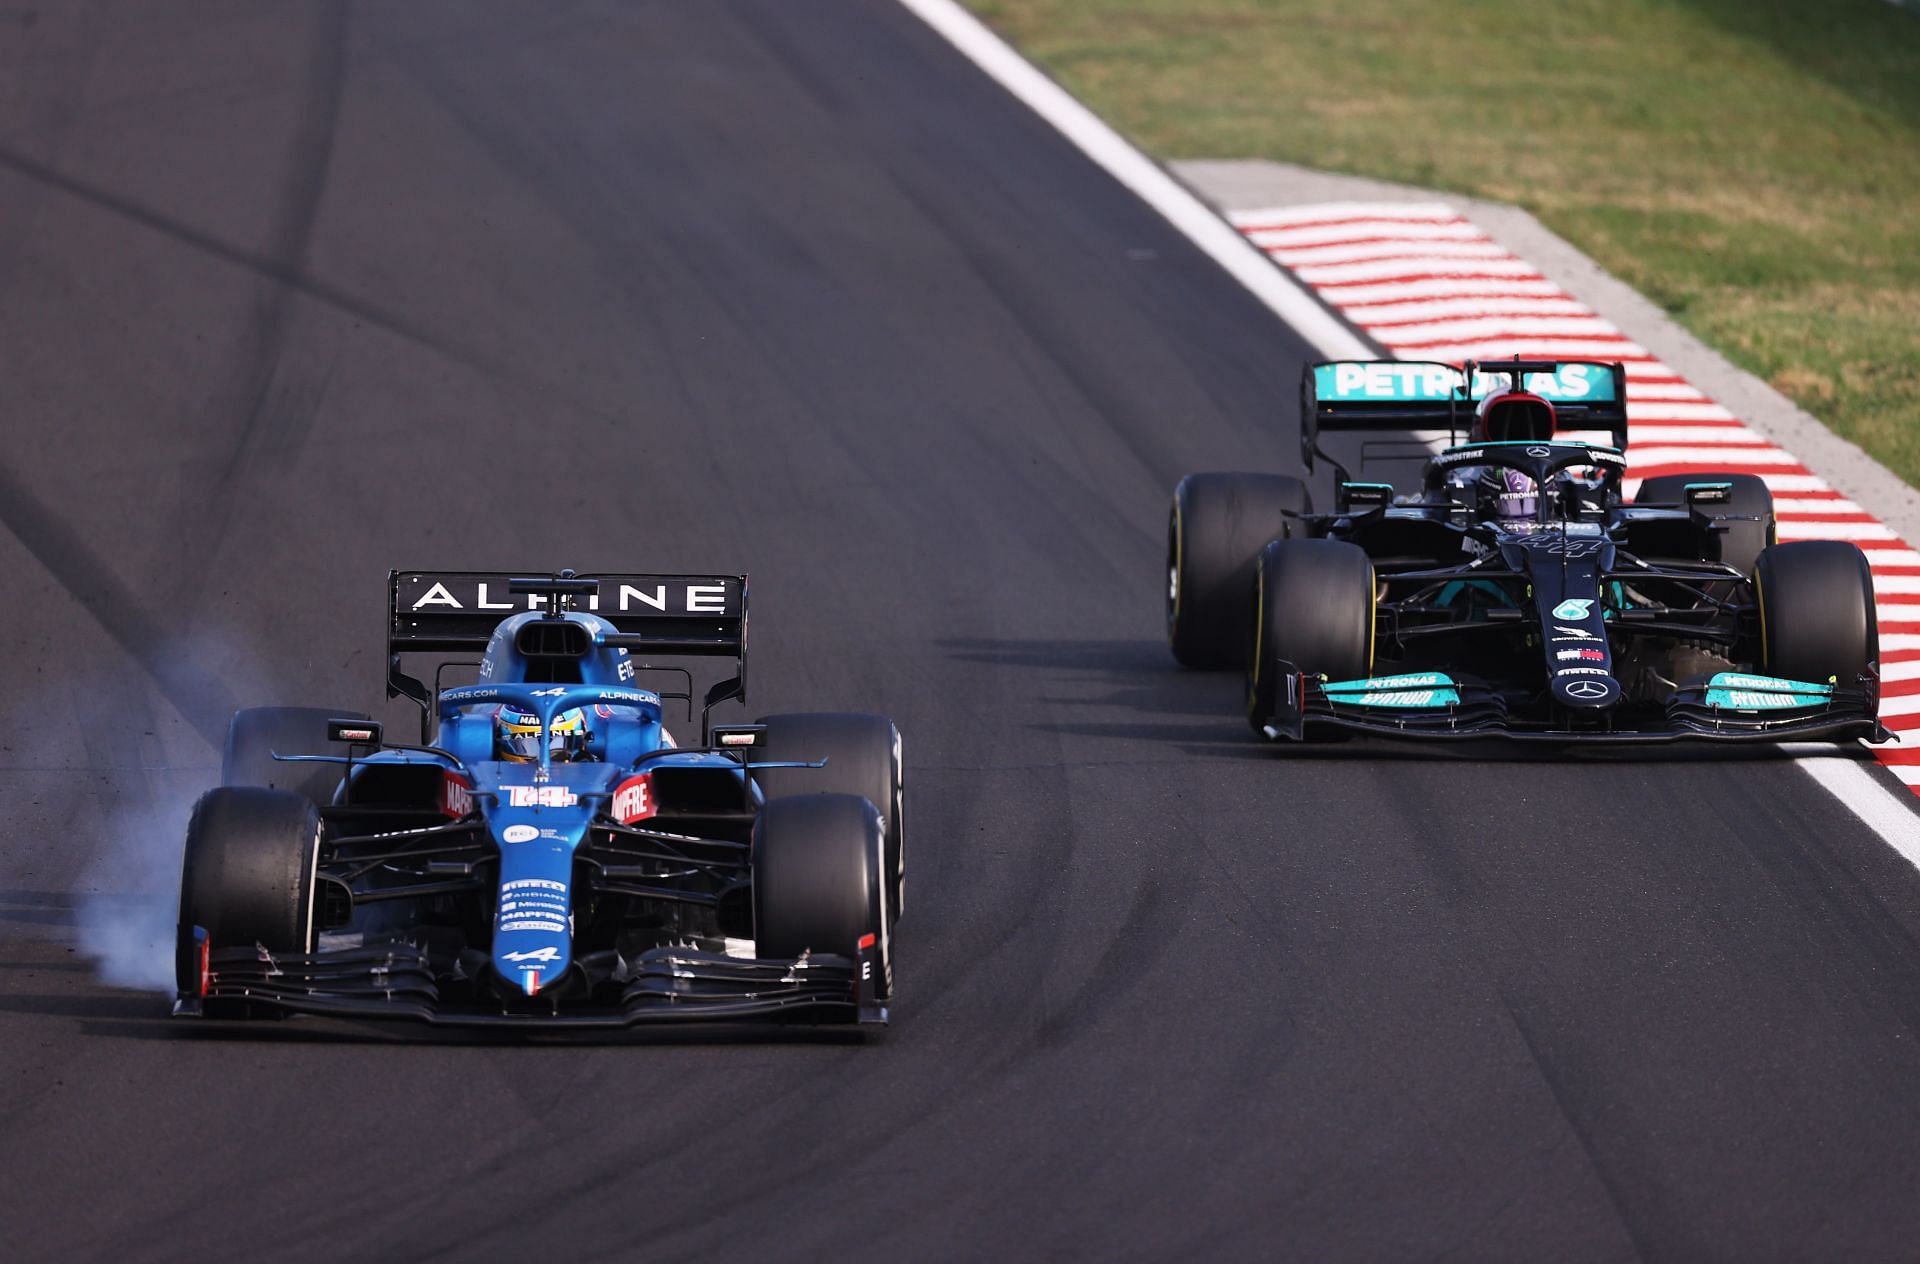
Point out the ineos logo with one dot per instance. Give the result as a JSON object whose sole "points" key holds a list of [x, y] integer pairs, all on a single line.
{"points": [[1588, 689]]}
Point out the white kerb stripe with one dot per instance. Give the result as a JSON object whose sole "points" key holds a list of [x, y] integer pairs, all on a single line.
{"points": [[1439, 287], [1693, 434], [1447, 308], [1906, 704], [1486, 348], [1388, 269], [1663, 392], [1500, 327], [1362, 230], [1835, 531], [1196, 221], [1785, 505], [1660, 455], [1869, 799], [1354, 252], [1327, 212], [1673, 410]]}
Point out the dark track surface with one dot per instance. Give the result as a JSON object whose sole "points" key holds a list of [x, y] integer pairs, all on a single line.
{"points": [[290, 296]]}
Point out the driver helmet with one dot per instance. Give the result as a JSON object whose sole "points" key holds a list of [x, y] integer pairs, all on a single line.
{"points": [[1513, 417], [517, 735], [1516, 497]]}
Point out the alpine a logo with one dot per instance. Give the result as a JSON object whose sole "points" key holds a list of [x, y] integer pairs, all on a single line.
{"points": [[633, 800]]}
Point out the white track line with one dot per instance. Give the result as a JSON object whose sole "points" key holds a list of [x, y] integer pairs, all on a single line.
{"points": [[1220, 241], [1884, 812], [1891, 817]]}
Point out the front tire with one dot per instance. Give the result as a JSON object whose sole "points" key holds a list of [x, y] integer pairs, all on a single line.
{"points": [[1741, 544], [864, 755], [1817, 617], [1314, 608], [255, 733], [248, 873], [818, 861], [1218, 525]]}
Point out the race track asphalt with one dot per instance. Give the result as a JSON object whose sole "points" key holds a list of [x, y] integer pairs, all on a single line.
{"points": [[290, 295]]}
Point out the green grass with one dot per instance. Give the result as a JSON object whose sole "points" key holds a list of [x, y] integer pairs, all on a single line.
{"points": [[1751, 165]]}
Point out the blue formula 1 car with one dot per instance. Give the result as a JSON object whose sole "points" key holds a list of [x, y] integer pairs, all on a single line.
{"points": [[546, 854], [1517, 593]]}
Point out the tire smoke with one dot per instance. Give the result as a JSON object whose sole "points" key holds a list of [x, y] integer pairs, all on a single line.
{"points": [[127, 902]]}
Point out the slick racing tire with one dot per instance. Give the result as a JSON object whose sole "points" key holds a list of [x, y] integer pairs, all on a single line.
{"points": [[248, 873], [817, 866], [1313, 607], [1817, 616], [1742, 542], [1216, 530], [257, 732], [863, 754]]}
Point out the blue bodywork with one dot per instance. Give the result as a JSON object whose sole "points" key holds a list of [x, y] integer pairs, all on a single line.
{"points": [[538, 812]]}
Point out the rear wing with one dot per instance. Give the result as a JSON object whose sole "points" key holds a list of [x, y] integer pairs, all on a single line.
{"points": [[1352, 395], [664, 615]]}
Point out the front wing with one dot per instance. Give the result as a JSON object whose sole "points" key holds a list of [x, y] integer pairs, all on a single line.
{"points": [[667, 985], [1480, 710]]}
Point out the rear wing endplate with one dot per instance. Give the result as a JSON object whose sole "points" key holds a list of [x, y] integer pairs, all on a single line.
{"points": [[1360, 395]]}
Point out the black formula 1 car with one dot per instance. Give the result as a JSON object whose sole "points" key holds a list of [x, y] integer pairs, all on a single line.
{"points": [[546, 854], [1517, 594]]}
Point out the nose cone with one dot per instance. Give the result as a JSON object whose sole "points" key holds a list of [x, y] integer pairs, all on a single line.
{"points": [[1587, 693]]}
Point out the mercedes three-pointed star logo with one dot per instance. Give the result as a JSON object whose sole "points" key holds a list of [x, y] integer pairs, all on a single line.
{"points": [[1588, 689]]}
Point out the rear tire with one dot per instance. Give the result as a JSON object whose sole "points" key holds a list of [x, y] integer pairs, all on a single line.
{"points": [[1216, 530], [864, 757], [817, 866], [1740, 545], [248, 873], [257, 732], [1817, 616], [1314, 608]]}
